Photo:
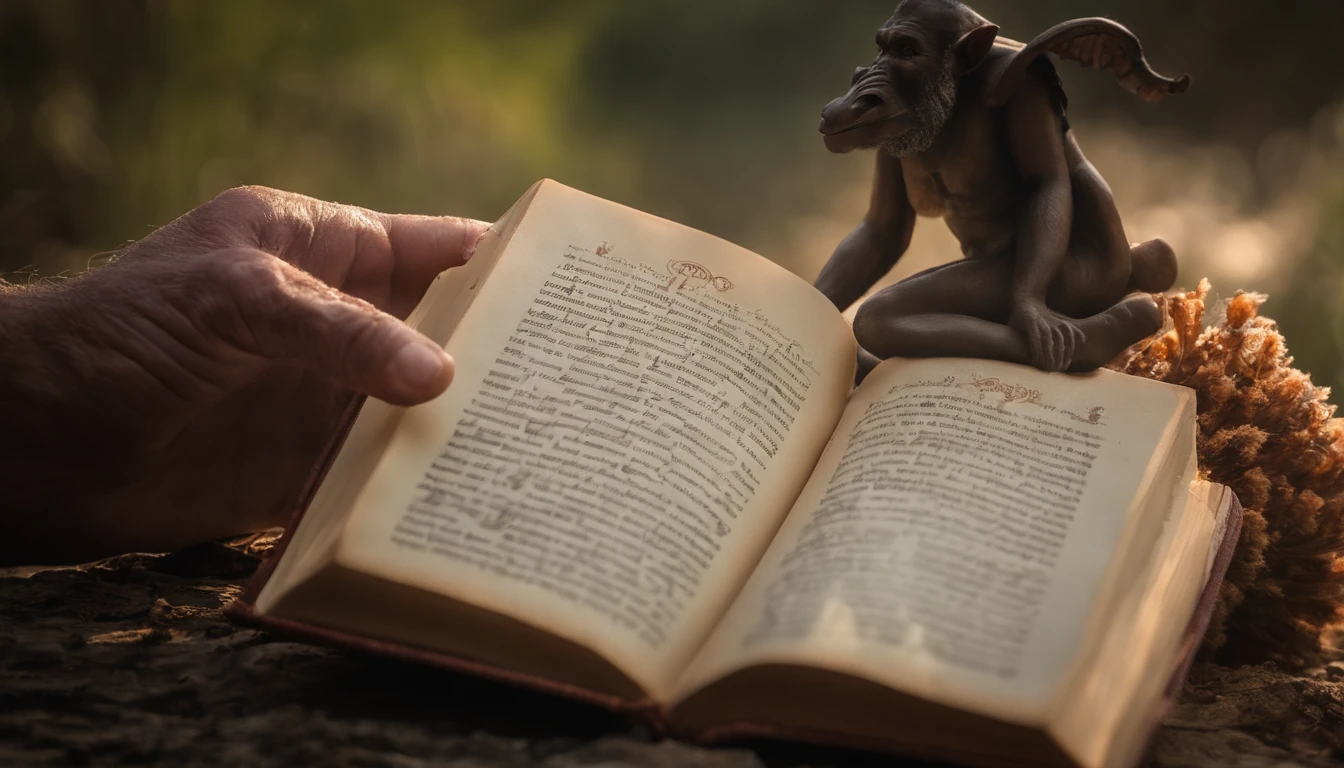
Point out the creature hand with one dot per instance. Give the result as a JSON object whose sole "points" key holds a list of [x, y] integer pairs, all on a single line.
{"points": [[181, 393], [1052, 339]]}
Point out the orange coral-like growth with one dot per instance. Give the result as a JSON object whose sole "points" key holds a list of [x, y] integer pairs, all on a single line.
{"points": [[1267, 432]]}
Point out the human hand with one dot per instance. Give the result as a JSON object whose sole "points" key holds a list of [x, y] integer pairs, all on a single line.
{"points": [[181, 393], [1052, 338]]}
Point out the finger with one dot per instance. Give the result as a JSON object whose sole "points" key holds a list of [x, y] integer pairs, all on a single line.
{"points": [[387, 259], [1048, 345], [434, 243], [1057, 348], [1065, 347], [1075, 341], [1034, 343], [273, 309], [424, 246], [1042, 360]]}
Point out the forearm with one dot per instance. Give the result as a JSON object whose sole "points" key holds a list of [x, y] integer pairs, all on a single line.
{"points": [[1042, 241], [876, 244], [31, 375], [844, 278], [75, 405], [861, 259]]}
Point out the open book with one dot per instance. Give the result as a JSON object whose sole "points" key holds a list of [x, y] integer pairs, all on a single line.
{"points": [[653, 486]]}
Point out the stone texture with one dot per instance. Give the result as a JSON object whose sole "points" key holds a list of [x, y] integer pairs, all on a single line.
{"points": [[129, 661]]}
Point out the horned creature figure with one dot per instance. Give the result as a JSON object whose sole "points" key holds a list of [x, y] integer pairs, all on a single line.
{"points": [[971, 127]]}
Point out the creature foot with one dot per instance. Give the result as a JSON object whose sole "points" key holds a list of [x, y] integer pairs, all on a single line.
{"points": [[1107, 334]]}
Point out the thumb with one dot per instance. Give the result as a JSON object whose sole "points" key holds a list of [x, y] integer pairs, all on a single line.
{"points": [[278, 311]]}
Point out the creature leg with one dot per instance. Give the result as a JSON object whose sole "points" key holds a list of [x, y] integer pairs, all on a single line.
{"points": [[1099, 267], [1094, 277], [1108, 333], [1154, 269], [960, 310], [956, 310], [867, 360], [1102, 266], [1092, 292]]}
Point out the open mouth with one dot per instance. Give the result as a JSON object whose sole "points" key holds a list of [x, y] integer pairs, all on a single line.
{"points": [[857, 126]]}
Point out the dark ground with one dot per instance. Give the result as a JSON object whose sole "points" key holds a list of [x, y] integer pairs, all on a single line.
{"points": [[129, 661]]}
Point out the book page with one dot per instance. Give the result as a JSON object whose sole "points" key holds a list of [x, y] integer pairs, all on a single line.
{"points": [[1110, 702], [636, 406], [955, 535], [310, 546]]}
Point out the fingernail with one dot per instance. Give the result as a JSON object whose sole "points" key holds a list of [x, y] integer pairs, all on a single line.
{"points": [[418, 365]]}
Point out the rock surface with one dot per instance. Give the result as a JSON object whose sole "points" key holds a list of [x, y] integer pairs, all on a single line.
{"points": [[130, 661]]}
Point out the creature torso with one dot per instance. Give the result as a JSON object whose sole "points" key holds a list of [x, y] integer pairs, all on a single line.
{"points": [[969, 178]]}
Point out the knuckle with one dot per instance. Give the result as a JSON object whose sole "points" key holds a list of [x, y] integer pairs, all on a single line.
{"points": [[239, 202], [367, 341], [221, 222], [242, 269], [238, 284], [244, 197], [232, 212], [372, 249]]}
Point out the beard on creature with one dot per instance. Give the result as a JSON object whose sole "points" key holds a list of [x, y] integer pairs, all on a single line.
{"points": [[930, 107]]}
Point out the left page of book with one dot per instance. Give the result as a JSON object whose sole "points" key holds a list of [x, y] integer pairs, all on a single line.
{"points": [[635, 408], [310, 544]]}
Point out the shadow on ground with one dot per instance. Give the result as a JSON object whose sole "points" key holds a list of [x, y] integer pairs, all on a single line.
{"points": [[130, 661]]}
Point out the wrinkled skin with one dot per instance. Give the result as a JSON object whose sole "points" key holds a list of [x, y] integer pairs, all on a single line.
{"points": [[181, 393], [1047, 264]]}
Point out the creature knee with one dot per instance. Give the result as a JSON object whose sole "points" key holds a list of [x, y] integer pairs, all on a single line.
{"points": [[888, 326], [875, 319], [1154, 266], [867, 324]]}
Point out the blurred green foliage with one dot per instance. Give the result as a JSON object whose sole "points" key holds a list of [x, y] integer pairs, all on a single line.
{"points": [[117, 116]]}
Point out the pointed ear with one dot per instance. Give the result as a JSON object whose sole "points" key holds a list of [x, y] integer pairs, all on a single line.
{"points": [[974, 46]]}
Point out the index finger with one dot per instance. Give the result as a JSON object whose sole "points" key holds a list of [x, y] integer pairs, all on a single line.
{"points": [[424, 246]]}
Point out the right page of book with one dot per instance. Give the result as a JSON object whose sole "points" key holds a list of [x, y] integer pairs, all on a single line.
{"points": [[955, 534]]}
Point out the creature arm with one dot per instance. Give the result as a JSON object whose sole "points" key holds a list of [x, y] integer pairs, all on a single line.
{"points": [[876, 244], [1036, 141]]}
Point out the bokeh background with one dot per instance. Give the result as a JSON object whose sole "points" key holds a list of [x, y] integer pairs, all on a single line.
{"points": [[116, 116]]}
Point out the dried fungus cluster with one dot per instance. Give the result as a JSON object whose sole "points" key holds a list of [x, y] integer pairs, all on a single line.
{"points": [[1267, 432]]}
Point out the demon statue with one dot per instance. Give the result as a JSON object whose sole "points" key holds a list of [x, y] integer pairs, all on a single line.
{"points": [[971, 127]]}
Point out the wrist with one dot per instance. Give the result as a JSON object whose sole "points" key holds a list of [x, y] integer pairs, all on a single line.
{"points": [[1026, 300], [42, 471], [30, 380]]}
